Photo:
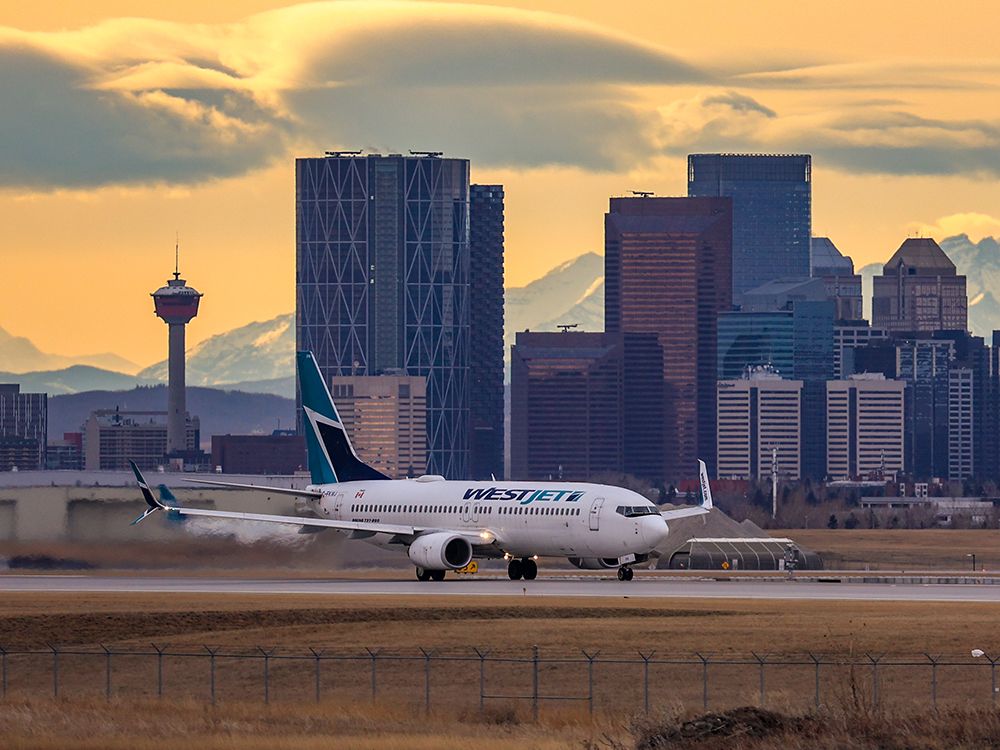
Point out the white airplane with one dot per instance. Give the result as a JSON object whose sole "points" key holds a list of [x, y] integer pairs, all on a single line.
{"points": [[444, 524]]}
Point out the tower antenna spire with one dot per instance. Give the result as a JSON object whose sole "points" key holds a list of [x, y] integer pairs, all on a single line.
{"points": [[177, 255]]}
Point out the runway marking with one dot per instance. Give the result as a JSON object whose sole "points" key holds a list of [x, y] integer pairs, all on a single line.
{"points": [[584, 588]]}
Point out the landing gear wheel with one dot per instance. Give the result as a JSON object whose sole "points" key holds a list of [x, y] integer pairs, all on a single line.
{"points": [[437, 575], [423, 575], [529, 569], [631, 574], [515, 570], [625, 574]]}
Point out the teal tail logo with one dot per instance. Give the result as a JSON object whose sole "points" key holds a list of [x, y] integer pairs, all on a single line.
{"points": [[331, 457]]}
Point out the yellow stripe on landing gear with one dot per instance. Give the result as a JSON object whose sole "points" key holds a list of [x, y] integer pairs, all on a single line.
{"points": [[472, 567]]}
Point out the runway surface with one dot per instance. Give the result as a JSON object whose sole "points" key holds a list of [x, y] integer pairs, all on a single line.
{"points": [[640, 588]]}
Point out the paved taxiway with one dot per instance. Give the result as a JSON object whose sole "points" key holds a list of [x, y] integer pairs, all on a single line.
{"points": [[657, 588]]}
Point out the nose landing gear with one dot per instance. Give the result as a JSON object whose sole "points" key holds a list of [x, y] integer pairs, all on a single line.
{"points": [[625, 573], [525, 568]]}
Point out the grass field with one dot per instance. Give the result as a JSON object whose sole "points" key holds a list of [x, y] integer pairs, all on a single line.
{"points": [[901, 549], [346, 716]]}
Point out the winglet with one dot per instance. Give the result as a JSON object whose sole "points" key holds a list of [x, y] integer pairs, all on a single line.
{"points": [[706, 489], [147, 495]]}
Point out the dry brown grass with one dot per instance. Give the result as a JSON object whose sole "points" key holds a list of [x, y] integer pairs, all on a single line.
{"points": [[901, 549]]}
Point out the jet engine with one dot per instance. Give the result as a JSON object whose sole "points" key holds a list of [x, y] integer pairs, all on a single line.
{"points": [[441, 551]]}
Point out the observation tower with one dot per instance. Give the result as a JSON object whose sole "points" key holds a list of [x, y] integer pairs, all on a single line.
{"points": [[176, 304]]}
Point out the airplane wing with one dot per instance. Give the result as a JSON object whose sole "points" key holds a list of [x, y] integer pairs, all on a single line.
{"points": [[706, 498], [261, 488]]}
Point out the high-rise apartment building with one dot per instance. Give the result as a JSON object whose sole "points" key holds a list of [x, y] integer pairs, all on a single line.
{"points": [[486, 366], [383, 280], [772, 212], [566, 403], [758, 415], [386, 419], [963, 414], [919, 291], [788, 326], [668, 272], [24, 424], [864, 424]]}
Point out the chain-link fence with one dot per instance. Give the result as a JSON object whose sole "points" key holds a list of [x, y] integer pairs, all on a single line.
{"points": [[469, 678]]}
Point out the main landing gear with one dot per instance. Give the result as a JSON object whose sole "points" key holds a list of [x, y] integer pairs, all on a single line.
{"points": [[625, 573], [524, 568], [430, 575]]}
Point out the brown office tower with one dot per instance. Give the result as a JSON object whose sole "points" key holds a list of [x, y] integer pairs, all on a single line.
{"points": [[565, 406], [668, 270], [919, 291]]}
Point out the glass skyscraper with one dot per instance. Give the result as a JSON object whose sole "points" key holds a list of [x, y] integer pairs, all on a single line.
{"points": [[772, 212], [382, 280]]}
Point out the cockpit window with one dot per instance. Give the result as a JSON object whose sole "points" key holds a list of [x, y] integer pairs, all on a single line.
{"points": [[632, 511]]}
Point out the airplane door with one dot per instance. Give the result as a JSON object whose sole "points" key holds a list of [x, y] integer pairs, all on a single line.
{"points": [[466, 513], [475, 513], [338, 504], [595, 514]]}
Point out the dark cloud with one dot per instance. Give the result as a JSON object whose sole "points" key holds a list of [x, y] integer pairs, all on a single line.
{"points": [[57, 132]]}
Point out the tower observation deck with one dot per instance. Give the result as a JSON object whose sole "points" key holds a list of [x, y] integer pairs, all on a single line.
{"points": [[176, 304]]}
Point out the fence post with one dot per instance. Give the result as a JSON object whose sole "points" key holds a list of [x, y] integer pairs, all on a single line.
{"points": [[267, 673], [534, 682], [3, 672], [760, 661], [645, 679], [55, 671], [211, 670], [816, 662], [317, 655], [107, 672], [934, 663], [482, 677], [875, 660], [427, 681], [374, 656], [704, 680], [159, 669], [993, 676], [590, 678]]}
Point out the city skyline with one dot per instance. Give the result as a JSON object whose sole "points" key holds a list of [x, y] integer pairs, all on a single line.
{"points": [[908, 146]]}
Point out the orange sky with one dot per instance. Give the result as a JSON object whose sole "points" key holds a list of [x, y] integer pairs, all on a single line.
{"points": [[899, 109]]}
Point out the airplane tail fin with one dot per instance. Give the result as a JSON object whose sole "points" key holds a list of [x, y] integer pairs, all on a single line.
{"points": [[152, 503], [331, 455], [706, 488]]}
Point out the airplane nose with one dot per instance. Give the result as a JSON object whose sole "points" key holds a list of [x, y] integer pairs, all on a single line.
{"points": [[654, 530]]}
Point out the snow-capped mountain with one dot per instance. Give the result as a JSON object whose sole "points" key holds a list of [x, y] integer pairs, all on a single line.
{"points": [[572, 292], [260, 351]]}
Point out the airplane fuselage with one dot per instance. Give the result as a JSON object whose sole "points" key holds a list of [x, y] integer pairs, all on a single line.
{"points": [[522, 519]]}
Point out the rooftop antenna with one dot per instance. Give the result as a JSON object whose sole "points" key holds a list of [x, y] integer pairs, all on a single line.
{"points": [[642, 193], [177, 255], [567, 327]]}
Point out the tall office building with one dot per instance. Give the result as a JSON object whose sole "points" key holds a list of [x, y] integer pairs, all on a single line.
{"points": [[24, 424], [382, 280], [963, 414], [757, 415], [919, 291], [772, 212], [386, 418], [848, 337], [566, 416], [668, 272], [864, 427], [837, 272], [486, 367]]}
